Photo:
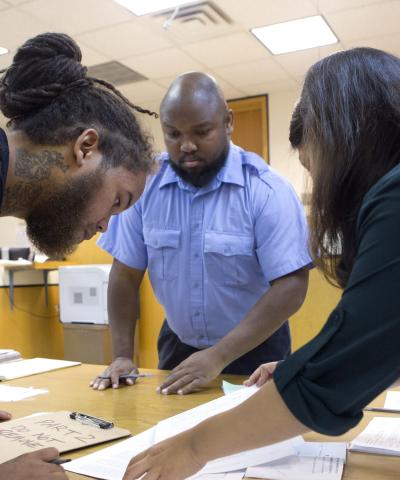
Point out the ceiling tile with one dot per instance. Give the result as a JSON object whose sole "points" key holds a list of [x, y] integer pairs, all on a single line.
{"points": [[227, 50], [371, 21], [141, 92], [91, 57], [254, 72], [169, 62], [389, 43], [327, 6], [271, 87], [124, 40], [256, 13], [297, 63], [76, 16], [12, 37], [5, 60]]}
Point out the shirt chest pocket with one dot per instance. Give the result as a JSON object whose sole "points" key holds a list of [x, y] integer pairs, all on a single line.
{"points": [[229, 258], [162, 250]]}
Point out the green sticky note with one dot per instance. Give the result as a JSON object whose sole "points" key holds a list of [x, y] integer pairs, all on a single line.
{"points": [[230, 387]]}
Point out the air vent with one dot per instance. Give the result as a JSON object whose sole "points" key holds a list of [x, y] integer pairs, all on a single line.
{"points": [[201, 14], [115, 73]]}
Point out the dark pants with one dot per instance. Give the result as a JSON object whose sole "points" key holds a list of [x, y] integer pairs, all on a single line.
{"points": [[171, 351]]}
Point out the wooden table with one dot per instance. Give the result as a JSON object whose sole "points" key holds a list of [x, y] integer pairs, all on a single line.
{"points": [[139, 408]]}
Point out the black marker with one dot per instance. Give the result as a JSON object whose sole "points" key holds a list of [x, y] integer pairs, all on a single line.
{"points": [[59, 461]]}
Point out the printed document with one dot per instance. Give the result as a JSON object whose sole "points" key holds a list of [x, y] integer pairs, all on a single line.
{"points": [[382, 436], [314, 461]]}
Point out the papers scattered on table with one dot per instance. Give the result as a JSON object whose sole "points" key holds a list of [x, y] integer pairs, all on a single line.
{"points": [[13, 394], [228, 387], [7, 355], [313, 461], [381, 436], [110, 463], [392, 400], [32, 366]]}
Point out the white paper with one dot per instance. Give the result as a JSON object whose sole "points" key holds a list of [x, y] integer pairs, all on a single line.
{"points": [[13, 394], [315, 461], [110, 463], [392, 400], [322, 449], [8, 355], [382, 435], [228, 387], [299, 468], [32, 366], [179, 423]]}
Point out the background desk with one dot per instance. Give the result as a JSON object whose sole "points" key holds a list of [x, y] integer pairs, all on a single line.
{"points": [[44, 267], [138, 408]]}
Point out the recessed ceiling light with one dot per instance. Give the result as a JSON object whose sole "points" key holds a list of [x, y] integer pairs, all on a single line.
{"points": [[295, 35], [3, 51], [143, 7]]}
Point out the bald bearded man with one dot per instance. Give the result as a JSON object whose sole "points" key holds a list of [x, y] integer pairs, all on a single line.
{"points": [[224, 240]]}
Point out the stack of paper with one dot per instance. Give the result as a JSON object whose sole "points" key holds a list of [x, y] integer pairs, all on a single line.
{"points": [[32, 366], [7, 355], [313, 461], [382, 436]]}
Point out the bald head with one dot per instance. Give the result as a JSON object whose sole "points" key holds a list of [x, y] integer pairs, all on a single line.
{"points": [[197, 125], [194, 90]]}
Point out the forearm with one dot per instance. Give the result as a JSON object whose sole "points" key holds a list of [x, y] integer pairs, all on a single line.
{"points": [[123, 307], [261, 420], [281, 301]]}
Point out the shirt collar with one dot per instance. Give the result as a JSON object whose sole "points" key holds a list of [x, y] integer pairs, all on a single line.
{"points": [[231, 172]]}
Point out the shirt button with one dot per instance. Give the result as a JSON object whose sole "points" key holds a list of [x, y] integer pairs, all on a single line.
{"points": [[196, 314], [196, 255], [196, 285]]}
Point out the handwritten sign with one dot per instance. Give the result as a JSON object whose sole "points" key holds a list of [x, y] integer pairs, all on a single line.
{"points": [[51, 430]]}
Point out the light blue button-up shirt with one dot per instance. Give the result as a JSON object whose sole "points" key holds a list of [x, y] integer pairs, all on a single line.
{"points": [[212, 252]]}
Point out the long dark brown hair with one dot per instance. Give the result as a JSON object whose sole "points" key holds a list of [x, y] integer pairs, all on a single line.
{"points": [[347, 123]]}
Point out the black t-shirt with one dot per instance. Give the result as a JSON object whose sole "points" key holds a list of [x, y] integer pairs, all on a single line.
{"points": [[3, 163]]}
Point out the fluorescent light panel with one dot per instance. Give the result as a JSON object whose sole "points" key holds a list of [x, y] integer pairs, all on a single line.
{"points": [[3, 51], [143, 7], [295, 35]]}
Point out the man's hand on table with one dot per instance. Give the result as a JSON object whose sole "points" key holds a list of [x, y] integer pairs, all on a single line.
{"points": [[193, 373], [120, 366]]}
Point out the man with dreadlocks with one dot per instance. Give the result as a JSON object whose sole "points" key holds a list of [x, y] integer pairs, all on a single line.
{"points": [[73, 155]]}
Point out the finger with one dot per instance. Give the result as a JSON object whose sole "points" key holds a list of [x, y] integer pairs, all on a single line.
{"points": [[171, 379], [45, 454], [135, 469], [253, 378], [102, 384], [263, 378], [177, 384], [193, 386], [115, 379], [4, 415]]}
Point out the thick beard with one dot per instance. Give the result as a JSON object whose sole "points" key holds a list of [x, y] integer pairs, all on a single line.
{"points": [[203, 177], [55, 223]]}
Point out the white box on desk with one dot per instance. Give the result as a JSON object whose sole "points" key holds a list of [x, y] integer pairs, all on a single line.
{"points": [[83, 293]]}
